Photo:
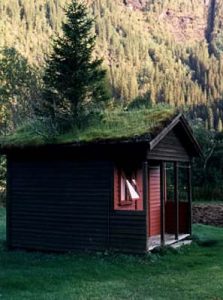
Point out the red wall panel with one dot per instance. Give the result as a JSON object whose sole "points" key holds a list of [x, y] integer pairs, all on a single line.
{"points": [[154, 201]]}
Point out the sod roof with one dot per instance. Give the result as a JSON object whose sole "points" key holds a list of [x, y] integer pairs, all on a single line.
{"points": [[113, 126]]}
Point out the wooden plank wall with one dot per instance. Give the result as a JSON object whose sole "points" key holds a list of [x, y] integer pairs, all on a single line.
{"points": [[68, 205], [59, 205], [154, 200], [171, 148], [128, 231]]}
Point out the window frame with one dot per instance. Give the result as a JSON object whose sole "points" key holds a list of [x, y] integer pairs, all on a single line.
{"points": [[120, 182]]}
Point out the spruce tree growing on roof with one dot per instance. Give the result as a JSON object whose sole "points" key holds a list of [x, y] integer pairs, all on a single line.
{"points": [[74, 81]]}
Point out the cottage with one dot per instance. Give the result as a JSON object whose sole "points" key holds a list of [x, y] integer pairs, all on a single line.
{"points": [[101, 194]]}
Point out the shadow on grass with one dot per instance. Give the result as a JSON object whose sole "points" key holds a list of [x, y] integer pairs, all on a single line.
{"points": [[205, 242]]}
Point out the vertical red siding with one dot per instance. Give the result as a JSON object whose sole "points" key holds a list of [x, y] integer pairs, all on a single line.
{"points": [[154, 201]]}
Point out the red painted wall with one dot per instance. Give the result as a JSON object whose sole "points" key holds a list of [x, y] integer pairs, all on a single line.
{"points": [[154, 201]]}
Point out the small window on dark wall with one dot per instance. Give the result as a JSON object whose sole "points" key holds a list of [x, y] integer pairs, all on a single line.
{"points": [[128, 189]]}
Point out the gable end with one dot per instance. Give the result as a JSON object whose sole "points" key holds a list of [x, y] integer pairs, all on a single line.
{"points": [[170, 148]]}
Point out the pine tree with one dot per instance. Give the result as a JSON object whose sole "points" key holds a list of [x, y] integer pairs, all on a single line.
{"points": [[74, 81]]}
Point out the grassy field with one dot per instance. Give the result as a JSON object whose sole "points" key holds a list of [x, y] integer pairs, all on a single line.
{"points": [[193, 272]]}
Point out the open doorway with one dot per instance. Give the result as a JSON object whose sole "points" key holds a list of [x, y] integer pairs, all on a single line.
{"points": [[168, 203], [176, 202]]}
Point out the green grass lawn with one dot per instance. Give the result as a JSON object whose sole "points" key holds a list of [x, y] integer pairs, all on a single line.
{"points": [[193, 272]]}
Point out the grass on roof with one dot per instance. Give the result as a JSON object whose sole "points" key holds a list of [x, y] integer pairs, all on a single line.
{"points": [[115, 124]]}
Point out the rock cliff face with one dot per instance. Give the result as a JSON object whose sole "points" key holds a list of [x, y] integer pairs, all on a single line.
{"points": [[136, 4], [184, 26]]}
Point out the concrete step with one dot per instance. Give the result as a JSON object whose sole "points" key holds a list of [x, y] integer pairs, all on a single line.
{"points": [[181, 243]]}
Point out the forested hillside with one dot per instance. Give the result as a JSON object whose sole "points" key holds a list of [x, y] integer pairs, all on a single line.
{"points": [[165, 51]]}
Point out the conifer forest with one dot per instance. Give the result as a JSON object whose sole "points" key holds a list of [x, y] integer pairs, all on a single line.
{"points": [[166, 51], [154, 51]]}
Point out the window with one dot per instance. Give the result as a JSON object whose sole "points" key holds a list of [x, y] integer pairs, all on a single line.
{"points": [[128, 189]]}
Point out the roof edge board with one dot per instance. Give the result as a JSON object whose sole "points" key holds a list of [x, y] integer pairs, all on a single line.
{"points": [[191, 135]]}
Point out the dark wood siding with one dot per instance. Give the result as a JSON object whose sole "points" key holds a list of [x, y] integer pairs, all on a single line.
{"points": [[56, 205], [128, 232], [59, 205], [171, 148]]}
